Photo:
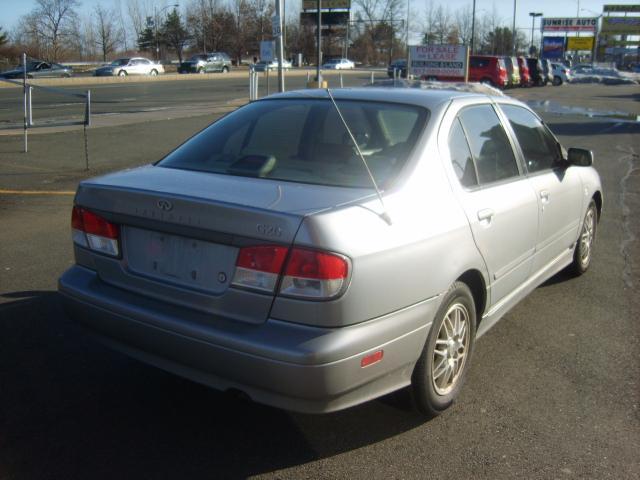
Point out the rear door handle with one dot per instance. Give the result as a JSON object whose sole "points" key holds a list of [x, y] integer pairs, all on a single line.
{"points": [[485, 214], [544, 196]]}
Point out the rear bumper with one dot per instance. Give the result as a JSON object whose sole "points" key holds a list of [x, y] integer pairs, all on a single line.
{"points": [[290, 366]]}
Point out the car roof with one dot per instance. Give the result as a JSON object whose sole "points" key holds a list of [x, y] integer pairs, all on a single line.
{"points": [[430, 99]]}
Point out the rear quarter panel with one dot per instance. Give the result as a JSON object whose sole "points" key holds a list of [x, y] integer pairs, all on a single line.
{"points": [[416, 258]]}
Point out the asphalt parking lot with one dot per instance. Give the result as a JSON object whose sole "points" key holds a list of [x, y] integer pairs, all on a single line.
{"points": [[553, 390]]}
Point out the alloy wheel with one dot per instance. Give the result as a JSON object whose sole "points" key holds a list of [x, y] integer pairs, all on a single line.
{"points": [[450, 352]]}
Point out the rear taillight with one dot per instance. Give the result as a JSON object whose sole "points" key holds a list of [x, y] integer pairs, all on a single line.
{"points": [[308, 273], [314, 274], [259, 267], [90, 230]]}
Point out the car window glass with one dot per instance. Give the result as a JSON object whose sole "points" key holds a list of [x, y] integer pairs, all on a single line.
{"points": [[489, 144], [539, 148], [461, 156], [275, 133], [396, 124], [289, 137]]}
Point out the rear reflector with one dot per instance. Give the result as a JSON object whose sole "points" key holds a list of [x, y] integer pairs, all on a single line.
{"points": [[92, 231], [371, 358], [259, 267], [314, 274]]}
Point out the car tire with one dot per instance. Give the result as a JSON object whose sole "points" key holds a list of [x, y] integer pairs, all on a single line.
{"points": [[201, 71], [122, 73], [153, 73], [487, 81], [584, 247], [438, 375], [557, 80], [225, 69]]}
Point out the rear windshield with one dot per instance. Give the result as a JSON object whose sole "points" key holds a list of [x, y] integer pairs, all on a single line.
{"points": [[304, 140]]}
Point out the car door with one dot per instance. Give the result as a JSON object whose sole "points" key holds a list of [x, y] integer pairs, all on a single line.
{"points": [[497, 198], [43, 70], [558, 187]]}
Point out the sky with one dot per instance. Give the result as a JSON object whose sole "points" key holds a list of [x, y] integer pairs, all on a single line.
{"points": [[12, 10]]}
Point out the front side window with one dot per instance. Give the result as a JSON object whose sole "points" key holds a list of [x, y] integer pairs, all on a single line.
{"points": [[304, 140], [489, 144], [540, 150]]}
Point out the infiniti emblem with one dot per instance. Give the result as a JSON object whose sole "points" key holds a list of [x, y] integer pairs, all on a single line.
{"points": [[165, 205]]}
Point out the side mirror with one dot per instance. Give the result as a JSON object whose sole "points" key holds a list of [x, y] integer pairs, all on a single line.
{"points": [[580, 157]]}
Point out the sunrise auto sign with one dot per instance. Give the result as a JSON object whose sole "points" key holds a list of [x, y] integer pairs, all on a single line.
{"points": [[586, 24], [439, 61]]}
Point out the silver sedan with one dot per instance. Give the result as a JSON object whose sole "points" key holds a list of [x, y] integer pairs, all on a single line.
{"points": [[315, 249]]}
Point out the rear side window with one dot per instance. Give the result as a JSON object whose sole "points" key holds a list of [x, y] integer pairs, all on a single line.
{"points": [[539, 148], [304, 140], [461, 159], [489, 144]]}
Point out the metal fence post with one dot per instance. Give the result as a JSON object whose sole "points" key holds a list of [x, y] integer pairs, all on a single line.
{"points": [[371, 77], [251, 83], [24, 92], [308, 77], [87, 110], [29, 100], [341, 84]]}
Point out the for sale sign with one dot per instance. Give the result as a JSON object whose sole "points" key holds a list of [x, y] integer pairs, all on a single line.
{"points": [[439, 61]]}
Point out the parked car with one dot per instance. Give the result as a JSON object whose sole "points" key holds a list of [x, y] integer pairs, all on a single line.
{"points": [[488, 69], [263, 65], [561, 74], [339, 64], [263, 259], [525, 76], [536, 71], [206, 63], [130, 66], [548, 71], [39, 69], [513, 71], [399, 65]]}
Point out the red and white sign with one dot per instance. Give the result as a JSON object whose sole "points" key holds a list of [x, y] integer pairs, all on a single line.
{"points": [[438, 61]]}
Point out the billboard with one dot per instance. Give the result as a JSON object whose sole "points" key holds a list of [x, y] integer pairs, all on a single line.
{"points": [[580, 43], [326, 5], [621, 25], [327, 18], [552, 47], [439, 61], [621, 8], [569, 24]]}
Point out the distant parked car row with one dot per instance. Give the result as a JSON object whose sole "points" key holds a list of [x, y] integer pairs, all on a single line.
{"points": [[502, 72]]}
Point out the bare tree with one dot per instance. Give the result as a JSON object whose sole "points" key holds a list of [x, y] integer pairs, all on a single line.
{"points": [[54, 22], [430, 25], [462, 23], [107, 32], [443, 24]]}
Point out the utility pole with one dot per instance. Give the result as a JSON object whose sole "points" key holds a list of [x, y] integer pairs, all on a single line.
{"points": [[473, 26]]}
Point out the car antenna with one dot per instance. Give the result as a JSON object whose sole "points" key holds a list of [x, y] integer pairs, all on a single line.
{"points": [[384, 215]]}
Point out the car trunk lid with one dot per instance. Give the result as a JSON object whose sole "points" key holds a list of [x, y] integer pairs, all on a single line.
{"points": [[181, 231]]}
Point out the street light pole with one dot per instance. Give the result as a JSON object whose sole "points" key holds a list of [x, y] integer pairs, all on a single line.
{"points": [[533, 16], [513, 31], [319, 46]]}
